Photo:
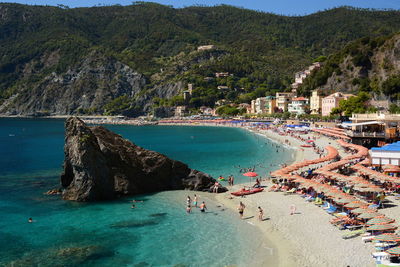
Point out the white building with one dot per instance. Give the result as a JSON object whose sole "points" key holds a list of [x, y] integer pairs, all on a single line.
{"points": [[260, 105], [299, 105], [205, 47], [389, 154]]}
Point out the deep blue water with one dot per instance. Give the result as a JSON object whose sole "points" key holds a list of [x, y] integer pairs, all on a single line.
{"points": [[157, 233]]}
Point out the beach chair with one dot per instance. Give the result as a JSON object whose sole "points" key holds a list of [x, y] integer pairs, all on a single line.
{"points": [[373, 206], [331, 210], [318, 201], [353, 234], [290, 192], [326, 205]]}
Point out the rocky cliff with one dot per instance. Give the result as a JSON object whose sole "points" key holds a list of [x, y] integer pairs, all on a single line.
{"points": [[369, 64], [101, 165], [85, 88]]}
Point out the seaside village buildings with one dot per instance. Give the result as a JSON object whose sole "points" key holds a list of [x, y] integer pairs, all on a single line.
{"points": [[279, 103]]}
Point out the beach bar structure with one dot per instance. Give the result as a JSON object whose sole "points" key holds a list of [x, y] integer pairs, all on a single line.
{"points": [[388, 154], [369, 129]]}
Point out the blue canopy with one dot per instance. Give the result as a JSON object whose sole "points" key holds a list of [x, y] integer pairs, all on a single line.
{"points": [[389, 147]]}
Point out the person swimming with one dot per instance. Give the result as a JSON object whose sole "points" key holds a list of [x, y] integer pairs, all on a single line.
{"points": [[30, 220]]}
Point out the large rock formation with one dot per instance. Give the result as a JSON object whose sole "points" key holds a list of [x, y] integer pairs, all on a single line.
{"points": [[101, 165]]}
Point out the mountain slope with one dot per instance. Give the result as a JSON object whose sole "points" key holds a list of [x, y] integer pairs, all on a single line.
{"points": [[98, 46], [369, 64]]}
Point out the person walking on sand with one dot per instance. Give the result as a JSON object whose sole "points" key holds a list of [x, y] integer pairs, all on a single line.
{"points": [[203, 207], [241, 209], [292, 209], [232, 179], [260, 213], [216, 185]]}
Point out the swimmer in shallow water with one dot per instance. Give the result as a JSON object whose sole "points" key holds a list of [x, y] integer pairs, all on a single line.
{"points": [[203, 207], [30, 220]]}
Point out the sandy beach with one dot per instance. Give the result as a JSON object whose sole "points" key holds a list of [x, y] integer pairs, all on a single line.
{"points": [[305, 238]]}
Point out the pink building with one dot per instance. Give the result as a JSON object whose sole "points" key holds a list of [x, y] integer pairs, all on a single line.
{"points": [[332, 101]]}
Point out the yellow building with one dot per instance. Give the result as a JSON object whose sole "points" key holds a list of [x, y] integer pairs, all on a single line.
{"points": [[315, 102]]}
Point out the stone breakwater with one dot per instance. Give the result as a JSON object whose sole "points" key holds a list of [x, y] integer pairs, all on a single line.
{"points": [[101, 165]]}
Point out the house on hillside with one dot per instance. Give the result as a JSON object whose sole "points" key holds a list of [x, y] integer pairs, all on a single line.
{"points": [[332, 101], [245, 106], [223, 87], [205, 47], [221, 74], [298, 105], [207, 111], [181, 111]]}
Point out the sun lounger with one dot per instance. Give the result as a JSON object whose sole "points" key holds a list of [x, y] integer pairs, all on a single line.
{"points": [[353, 234], [373, 206], [366, 239], [354, 227], [318, 201], [290, 192], [331, 210]]}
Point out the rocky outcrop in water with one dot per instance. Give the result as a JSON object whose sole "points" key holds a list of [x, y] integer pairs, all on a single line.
{"points": [[101, 165]]}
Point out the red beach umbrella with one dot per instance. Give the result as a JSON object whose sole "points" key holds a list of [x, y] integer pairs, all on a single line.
{"points": [[387, 238], [382, 220], [394, 251], [250, 174]]}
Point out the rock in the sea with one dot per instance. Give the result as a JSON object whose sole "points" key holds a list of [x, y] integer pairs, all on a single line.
{"points": [[101, 165]]}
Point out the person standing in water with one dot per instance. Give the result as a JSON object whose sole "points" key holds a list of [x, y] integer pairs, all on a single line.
{"points": [[195, 201], [203, 207], [260, 213], [241, 209], [188, 204]]}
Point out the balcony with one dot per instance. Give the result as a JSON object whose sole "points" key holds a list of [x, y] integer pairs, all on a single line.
{"points": [[365, 134]]}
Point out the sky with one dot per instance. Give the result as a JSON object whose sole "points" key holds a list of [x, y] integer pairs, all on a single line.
{"points": [[284, 7]]}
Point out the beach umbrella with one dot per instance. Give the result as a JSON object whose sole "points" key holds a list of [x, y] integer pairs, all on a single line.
{"points": [[361, 210], [381, 227], [394, 251], [343, 201], [381, 220], [250, 174], [370, 215], [387, 238], [355, 204]]}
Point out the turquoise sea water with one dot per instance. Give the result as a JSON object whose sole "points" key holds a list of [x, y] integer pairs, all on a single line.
{"points": [[157, 233]]}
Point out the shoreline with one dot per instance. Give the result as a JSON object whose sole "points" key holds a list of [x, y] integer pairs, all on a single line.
{"points": [[304, 239]]}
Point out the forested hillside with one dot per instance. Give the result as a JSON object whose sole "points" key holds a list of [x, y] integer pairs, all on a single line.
{"points": [[370, 65], [132, 59]]}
